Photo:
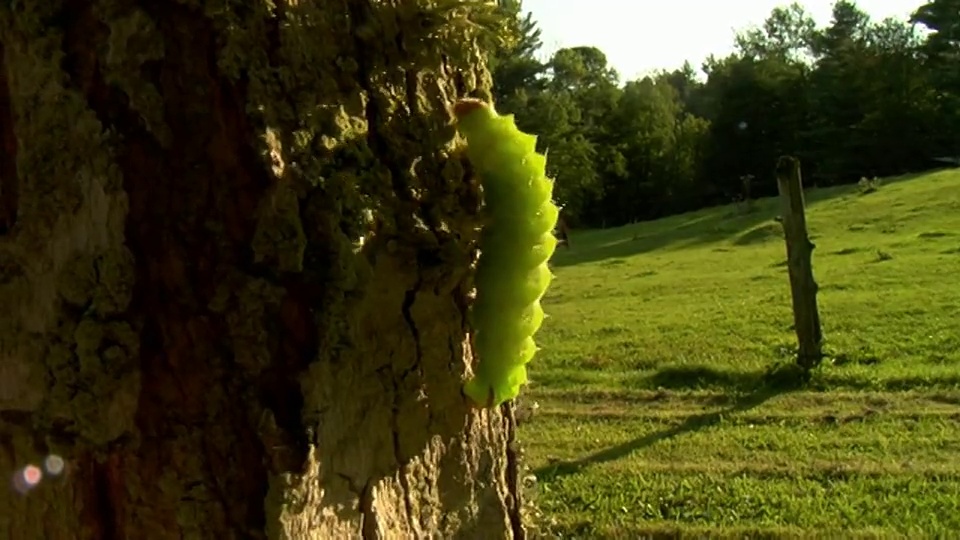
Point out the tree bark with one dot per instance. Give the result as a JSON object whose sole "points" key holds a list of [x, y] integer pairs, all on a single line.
{"points": [[235, 244]]}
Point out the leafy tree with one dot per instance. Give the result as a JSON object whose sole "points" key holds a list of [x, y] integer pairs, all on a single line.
{"points": [[583, 74], [756, 112], [787, 34], [689, 89], [836, 95], [942, 19], [901, 129], [514, 64], [579, 68], [644, 123]]}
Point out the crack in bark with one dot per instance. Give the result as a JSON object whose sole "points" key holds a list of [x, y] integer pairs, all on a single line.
{"points": [[279, 386], [368, 517], [409, 298], [368, 520], [9, 180], [107, 514], [513, 472]]}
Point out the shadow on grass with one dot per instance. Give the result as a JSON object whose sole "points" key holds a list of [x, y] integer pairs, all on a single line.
{"points": [[702, 227], [696, 228], [697, 376], [777, 381]]}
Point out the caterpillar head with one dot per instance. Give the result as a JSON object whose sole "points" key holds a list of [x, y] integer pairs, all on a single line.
{"points": [[472, 114]]}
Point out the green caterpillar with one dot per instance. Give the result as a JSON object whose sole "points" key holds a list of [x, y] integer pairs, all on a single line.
{"points": [[515, 244]]}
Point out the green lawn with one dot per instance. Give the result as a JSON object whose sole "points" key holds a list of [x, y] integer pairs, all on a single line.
{"points": [[666, 410]]}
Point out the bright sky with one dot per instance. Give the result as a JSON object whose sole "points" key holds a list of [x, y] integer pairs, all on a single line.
{"points": [[642, 35]]}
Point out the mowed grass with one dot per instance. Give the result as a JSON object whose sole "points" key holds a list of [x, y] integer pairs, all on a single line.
{"points": [[666, 404]]}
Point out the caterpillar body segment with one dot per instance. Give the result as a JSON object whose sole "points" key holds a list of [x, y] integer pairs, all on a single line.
{"points": [[529, 319], [516, 243], [526, 287], [543, 247]]}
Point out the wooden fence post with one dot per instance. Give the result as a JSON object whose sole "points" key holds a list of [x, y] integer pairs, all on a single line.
{"points": [[803, 288]]}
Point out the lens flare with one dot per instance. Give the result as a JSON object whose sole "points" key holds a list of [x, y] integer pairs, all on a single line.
{"points": [[53, 464]]}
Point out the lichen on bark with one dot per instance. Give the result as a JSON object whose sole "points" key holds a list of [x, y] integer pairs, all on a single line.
{"points": [[238, 273]]}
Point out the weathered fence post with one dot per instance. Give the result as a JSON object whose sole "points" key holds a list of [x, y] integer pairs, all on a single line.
{"points": [[803, 288]]}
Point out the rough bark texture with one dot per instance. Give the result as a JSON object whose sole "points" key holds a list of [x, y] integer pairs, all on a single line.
{"points": [[803, 287], [234, 261]]}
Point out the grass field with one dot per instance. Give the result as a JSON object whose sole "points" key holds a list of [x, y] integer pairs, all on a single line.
{"points": [[665, 408]]}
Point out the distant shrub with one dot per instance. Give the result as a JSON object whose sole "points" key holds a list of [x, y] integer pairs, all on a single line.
{"points": [[868, 185]]}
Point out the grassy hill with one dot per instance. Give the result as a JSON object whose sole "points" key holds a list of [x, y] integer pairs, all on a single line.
{"points": [[662, 408]]}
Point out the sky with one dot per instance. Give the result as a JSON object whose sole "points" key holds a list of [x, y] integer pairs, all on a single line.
{"points": [[639, 36]]}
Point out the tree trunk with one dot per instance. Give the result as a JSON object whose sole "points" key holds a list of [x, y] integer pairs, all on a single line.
{"points": [[234, 265]]}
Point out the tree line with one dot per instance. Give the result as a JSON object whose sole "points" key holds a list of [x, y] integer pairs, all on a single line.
{"points": [[856, 98]]}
